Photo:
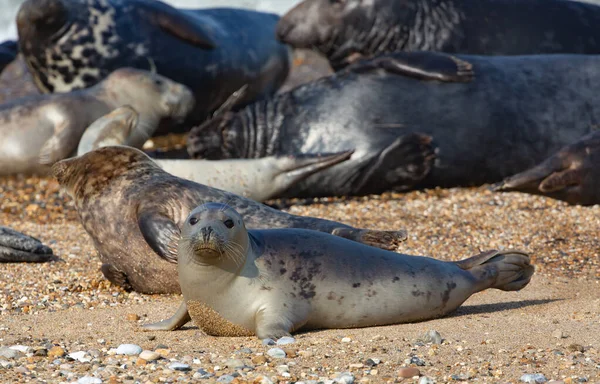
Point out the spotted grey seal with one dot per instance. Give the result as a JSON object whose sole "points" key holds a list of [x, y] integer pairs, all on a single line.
{"points": [[72, 44], [39, 130], [572, 174], [257, 179], [16, 247], [132, 209], [345, 30], [488, 117], [292, 279]]}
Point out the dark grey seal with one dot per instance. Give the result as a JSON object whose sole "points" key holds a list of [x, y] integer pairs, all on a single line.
{"points": [[16, 247], [487, 118], [8, 53], [133, 211], [572, 174], [73, 44], [346, 29]]}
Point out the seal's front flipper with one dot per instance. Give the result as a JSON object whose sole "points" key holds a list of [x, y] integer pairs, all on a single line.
{"points": [[400, 166], [60, 146], [508, 270], [388, 240], [178, 320], [421, 65], [16, 247], [175, 22], [160, 232], [115, 276]]}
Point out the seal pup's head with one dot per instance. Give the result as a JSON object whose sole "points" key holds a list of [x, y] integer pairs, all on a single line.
{"points": [[214, 234], [150, 94], [90, 174]]}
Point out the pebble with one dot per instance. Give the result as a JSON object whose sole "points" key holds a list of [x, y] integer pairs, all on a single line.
{"points": [[259, 360], [282, 369], [20, 348], [276, 353], [202, 374], [225, 379], [346, 340], [372, 362], [10, 353], [558, 334], [344, 378], [265, 380], [129, 349], [56, 352], [149, 355], [431, 337], [408, 372], [176, 366], [235, 364], [89, 380], [286, 340], [268, 342], [132, 317], [79, 356], [426, 380], [416, 361], [533, 378]]}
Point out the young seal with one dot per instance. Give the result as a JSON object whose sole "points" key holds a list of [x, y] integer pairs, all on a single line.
{"points": [[572, 174], [484, 117], [39, 130], [73, 44], [292, 279], [350, 29], [132, 209], [16, 247], [257, 179]]}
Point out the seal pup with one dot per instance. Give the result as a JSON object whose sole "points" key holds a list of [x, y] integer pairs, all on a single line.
{"points": [[16, 247], [572, 174], [39, 130], [292, 279], [347, 30], [257, 179], [73, 44], [483, 118], [132, 209]]}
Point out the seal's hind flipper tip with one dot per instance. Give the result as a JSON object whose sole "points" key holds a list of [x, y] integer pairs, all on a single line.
{"points": [[16, 247], [388, 240]]}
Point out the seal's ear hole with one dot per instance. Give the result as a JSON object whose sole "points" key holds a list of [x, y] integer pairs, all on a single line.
{"points": [[193, 220], [228, 223]]}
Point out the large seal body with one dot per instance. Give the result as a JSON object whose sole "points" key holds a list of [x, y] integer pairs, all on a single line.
{"points": [[133, 210], [513, 113], [292, 279], [212, 51], [38, 130], [349, 29]]}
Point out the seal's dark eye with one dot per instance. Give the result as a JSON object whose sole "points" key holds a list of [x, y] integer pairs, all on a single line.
{"points": [[228, 223], [158, 82], [193, 220]]}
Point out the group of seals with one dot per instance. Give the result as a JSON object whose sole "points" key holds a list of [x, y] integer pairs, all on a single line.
{"points": [[417, 119], [133, 211], [39, 130], [74, 44], [292, 279], [346, 30], [257, 179]]}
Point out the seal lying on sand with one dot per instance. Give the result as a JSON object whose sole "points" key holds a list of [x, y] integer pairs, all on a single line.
{"points": [[486, 118], [16, 247], [257, 179], [572, 174], [292, 279], [347, 30], [73, 44], [133, 210], [42, 129]]}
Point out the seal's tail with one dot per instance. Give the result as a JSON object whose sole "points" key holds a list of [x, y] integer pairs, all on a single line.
{"points": [[508, 270]]}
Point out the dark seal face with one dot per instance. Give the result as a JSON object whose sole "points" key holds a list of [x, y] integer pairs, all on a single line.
{"points": [[68, 43]]}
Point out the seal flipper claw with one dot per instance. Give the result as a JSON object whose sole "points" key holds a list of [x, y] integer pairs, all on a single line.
{"points": [[16, 247], [421, 65], [161, 234], [178, 320], [388, 240], [175, 22], [115, 276]]}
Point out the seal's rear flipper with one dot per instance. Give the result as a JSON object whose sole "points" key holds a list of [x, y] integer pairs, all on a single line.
{"points": [[16, 247], [531, 180], [298, 167], [175, 22], [508, 270], [60, 146], [160, 232], [388, 240], [115, 276], [400, 166], [420, 65], [178, 320]]}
